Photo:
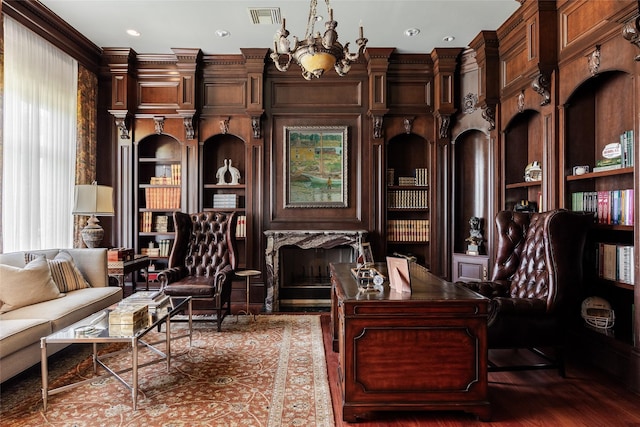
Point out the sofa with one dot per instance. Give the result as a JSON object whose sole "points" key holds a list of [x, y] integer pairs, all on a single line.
{"points": [[44, 291]]}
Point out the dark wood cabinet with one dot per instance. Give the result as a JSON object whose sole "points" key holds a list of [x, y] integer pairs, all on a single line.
{"points": [[469, 268]]}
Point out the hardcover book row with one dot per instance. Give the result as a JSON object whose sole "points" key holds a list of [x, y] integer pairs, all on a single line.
{"points": [[610, 207], [407, 199], [162, 198], [408, 230], [615, 262]]}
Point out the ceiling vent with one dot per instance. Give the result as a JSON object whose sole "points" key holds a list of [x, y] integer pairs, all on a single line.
{"points": [[265, 15]]}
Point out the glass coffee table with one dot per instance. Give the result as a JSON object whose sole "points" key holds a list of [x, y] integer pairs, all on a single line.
{"points": [[95, 330]]}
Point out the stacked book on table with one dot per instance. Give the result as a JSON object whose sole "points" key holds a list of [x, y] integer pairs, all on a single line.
{"points": [[126, 320], [136, 312], [152, 299]]}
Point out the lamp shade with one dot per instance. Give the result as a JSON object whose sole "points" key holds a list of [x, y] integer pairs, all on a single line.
{"points": [[93, 199]]}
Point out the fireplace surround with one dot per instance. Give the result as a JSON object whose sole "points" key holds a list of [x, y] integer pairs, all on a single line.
{"points": [[308, 240]]}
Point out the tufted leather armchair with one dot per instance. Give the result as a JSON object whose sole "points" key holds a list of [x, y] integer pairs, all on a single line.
{"points": [[203, 259], [536, 282]]}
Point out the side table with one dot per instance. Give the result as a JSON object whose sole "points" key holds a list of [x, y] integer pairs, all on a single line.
{"points": [[119, 269], [247, 274]]}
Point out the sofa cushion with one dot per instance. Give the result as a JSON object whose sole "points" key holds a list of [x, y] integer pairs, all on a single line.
{"points": [[32, 284], [75, 306], [63, 271], [19, 333]]}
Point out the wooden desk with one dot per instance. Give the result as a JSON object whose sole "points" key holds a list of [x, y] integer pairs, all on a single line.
{"points": [[426, 350], [119, 269]]}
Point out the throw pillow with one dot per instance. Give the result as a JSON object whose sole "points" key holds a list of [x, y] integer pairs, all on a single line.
{"points": [[63, 271], [20, 287]]}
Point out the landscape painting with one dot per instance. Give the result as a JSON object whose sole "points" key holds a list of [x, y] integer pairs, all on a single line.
{"points": [[315, 166]]}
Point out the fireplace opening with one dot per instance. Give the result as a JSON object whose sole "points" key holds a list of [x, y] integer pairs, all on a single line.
{"points": [[304, 278]]}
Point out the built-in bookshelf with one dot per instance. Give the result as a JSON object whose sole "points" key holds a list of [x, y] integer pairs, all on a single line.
{"points": [[599, 178], [158, 177], [523, 147], [223, 183], [407, 198]]}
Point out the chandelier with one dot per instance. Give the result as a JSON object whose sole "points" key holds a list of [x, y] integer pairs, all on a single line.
{"points": [[316, 53]]}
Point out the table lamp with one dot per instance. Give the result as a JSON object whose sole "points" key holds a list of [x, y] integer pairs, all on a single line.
{"points": [[93, 200]]}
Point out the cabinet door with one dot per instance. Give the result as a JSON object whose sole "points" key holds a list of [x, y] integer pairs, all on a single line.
{"points": [[470, 268]]}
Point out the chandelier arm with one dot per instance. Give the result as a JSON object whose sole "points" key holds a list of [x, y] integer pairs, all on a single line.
{"points": [[276, 61], [311, 20]]}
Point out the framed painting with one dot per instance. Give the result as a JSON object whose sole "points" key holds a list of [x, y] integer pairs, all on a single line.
{"points": [[315, 167]]}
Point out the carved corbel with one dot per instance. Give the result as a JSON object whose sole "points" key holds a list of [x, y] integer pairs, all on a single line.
{"points": [[489, 114], [408, 124], [224, 125], [521, 101], [188, 127], [122, 122], [377, 126], [159, 124], [540, 85], [631, 32], [256, 126], [444, 123], [593, 61], [188, 122]]}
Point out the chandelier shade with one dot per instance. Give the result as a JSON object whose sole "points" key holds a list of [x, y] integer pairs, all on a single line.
{"points": [[316, 53]]}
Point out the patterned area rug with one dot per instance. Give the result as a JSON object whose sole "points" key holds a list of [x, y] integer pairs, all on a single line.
{"points": [[268, 372]]}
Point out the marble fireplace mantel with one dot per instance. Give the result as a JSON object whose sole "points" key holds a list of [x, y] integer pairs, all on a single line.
{"points": [[305, 239]]}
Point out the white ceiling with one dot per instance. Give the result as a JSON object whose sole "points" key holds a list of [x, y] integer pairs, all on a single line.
{"points": [[166, 24]]}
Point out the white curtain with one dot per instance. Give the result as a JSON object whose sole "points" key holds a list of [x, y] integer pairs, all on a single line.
{"points": [[39, 141]]}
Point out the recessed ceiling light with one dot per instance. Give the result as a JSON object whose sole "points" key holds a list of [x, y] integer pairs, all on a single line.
{"points": [[133, 33], [410, 32], [448, 38], [222, 33]]}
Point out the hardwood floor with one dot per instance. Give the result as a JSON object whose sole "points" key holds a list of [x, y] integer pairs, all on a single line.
{"points": [[528, 398]]}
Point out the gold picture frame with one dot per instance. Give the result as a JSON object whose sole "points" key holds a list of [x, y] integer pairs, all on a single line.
{"points": [[315, 167]]}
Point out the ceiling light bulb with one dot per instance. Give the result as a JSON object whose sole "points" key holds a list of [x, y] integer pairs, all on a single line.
{"points": [[448, 38], [412, 32], [133, 33], [222, 33]]}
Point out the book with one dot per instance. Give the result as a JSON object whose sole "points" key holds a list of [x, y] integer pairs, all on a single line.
{"points": [[607, 168]]}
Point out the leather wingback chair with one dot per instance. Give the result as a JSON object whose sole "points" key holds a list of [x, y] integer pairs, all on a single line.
{"points": [[536, 283], [203, 259]]}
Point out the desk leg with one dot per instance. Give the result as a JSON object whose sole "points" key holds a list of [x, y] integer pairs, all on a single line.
{"points": [[167, 347], [190, 321], [45, 373], [134, 368]]}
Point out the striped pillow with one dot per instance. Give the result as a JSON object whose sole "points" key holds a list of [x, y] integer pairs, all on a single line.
{"points": [[63, 271]]}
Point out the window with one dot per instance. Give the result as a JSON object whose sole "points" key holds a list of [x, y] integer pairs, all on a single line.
{"points": [[39, 142]]}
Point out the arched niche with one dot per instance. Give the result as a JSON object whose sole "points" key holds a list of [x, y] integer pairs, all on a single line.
{"points": [[472, 180]]}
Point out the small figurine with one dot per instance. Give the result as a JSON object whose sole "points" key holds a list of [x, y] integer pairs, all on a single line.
{"points": [[235, 174], [222, 171], [475, 238]]}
